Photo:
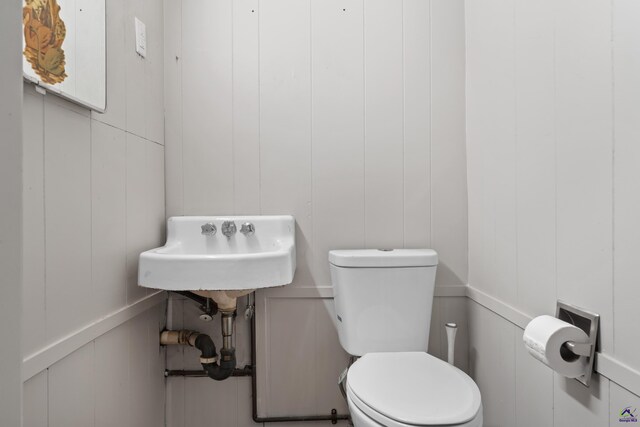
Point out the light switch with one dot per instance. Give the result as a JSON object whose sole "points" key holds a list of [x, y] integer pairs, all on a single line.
{"points": [[141, 38]]}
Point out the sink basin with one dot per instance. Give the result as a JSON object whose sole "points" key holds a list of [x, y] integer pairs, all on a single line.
{"points": [[193, 261]]}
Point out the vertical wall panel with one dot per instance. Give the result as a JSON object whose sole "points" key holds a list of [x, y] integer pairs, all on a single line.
{"points": [[285, 119], [620, 399], [491, 141], [207, 108], [536, 157], [157, 363], [111, 378], [338, 130], [474, 143], [71, 389], [501, 96], [492, 364], [285, 393], [627, 180], [144, 76], [534, 382], [139, 404], [156, 195], [156, 387], [175, 386], [109, 215], [115, 113], [416, 57], [145, 206], [481, 232], [33, 234], [332, 359], [35, 401], [246, 107], [584, 158], [11, 211], [134, 65], [384, 133], [154, 72], [138, 223], [173, 106], [574, 404], [448, 160], [68, 218], [210, 402], [502, 162]]}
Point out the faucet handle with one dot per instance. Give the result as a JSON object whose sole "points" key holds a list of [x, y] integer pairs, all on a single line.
{"points": [[247, 229], [208, 229], [228, 228]]}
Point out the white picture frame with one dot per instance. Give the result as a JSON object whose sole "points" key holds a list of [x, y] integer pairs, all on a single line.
{"points": [[64, 49]]}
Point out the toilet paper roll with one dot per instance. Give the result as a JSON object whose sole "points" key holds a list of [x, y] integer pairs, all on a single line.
{"points": [[544, 337]]}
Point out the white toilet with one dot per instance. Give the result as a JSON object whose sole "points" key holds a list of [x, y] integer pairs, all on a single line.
{"points": [[383, 301]]}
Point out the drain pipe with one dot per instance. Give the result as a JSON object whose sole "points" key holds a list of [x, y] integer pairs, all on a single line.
{"points": [[217, 369]]}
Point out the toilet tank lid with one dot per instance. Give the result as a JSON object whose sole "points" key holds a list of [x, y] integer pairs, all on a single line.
{"points": [[383, 258]]}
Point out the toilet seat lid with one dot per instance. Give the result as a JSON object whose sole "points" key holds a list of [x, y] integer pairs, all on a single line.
{"points": [[414, 388]]}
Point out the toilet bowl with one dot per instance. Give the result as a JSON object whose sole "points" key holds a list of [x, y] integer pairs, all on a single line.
{"points": [[411, 389], [383, 302]]}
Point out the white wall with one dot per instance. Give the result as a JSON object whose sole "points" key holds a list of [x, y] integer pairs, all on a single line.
{"points": [[10, 212], [552, 138], [93, 200], [348, 115]]}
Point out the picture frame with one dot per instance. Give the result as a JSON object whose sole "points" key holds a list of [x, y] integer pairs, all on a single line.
{"points": [[64, 49]]}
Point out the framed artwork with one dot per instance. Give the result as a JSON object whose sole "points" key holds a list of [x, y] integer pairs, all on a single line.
{"points": [[64, 49]]}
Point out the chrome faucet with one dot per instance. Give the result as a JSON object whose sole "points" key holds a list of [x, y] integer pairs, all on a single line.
{"points": [[208, 229], [229, 229], [247, 229]]}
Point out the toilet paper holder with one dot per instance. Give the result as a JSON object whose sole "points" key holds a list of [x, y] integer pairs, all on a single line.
{"points": [[587, 321]]}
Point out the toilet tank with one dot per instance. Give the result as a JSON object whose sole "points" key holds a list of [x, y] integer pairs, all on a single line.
{"points": [[383, 298]]}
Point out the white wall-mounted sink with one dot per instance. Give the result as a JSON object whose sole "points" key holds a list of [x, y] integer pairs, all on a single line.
{"points": [[194, 261]]}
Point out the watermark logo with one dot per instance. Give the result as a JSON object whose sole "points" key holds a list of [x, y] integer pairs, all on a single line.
{"points": [[628, 415]]}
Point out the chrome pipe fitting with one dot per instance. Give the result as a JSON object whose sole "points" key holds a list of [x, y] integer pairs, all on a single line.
{"points": [[227, 330]]}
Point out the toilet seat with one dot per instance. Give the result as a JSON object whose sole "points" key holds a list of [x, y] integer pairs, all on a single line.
{"points": [[413, 389], [361, 419]]}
